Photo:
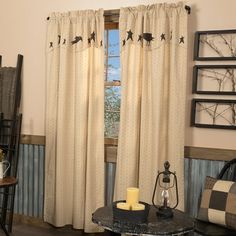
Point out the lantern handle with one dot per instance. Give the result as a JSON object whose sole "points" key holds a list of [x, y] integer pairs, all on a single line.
{"points": [[177, 194], [154, 191]]}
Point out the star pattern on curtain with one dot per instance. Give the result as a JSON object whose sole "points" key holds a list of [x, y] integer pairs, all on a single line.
{"points": [[92, 36], [181, 39], [59, 39], [163, 37], [148, 37], [76, 40], [130, 35], [140, 38]]}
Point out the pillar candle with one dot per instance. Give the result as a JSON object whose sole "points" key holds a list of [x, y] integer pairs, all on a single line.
{"points": [[132, 195], [137, 207], [123, 205]]}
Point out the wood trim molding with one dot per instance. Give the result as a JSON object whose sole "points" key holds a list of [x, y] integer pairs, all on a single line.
{"points": [[214, 154], [32, 139], [110, 154], [33, 221], [112, 16], [111, 19], [202, 153], [111, 141]]}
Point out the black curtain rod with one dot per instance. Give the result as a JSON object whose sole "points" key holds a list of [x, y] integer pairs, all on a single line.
{"points": [[187, 8]]}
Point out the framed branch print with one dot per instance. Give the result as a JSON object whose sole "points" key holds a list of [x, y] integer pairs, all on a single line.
{"points": [[213, 113], [214, 79], [217, 45]]}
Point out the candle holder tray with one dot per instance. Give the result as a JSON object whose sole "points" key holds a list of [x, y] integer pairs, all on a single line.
{"points": [[129, 216]]}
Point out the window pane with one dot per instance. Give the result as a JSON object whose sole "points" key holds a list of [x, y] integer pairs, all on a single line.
{"points": [[113, 43], [112, 90], [113, 69], [112, 111]]}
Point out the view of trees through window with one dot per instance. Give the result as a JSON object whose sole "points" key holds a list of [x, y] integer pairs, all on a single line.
{"points": [[112, 83]]}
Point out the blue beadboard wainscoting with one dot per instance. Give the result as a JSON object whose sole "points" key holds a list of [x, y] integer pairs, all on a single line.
{"points": [[195, 173], [30, 189]]}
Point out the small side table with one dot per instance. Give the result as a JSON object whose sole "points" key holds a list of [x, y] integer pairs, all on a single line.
{"points": [[180, 224], [6, 182]]}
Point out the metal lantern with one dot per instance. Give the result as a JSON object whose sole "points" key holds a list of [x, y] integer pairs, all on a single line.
{"points": [[165, 182]]}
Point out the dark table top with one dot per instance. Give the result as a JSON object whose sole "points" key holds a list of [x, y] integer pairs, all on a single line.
{"points": [[180, 223], [8, 181]]}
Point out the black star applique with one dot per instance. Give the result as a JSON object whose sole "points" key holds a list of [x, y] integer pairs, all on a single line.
{"points": [[130, 35], [148, 37], [59, 39], [92, 36], [140, 37], [123, 42], [89, 40], [163, 37], [181, 40], [51, 45], [64, 41], [77, 39]]}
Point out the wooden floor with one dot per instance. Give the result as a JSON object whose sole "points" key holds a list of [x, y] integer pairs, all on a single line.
{"points": [[22, 229]]}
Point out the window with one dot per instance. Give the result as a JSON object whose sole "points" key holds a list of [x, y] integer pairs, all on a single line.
{"points": [[112, 82]]}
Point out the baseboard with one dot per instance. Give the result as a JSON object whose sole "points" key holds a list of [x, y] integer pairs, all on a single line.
{"points": [[18, 219]]}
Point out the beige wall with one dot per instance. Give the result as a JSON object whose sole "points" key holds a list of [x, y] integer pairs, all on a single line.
{"points": [[23, 29]]}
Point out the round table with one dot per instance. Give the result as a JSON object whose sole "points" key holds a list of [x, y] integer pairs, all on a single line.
{"points": [[181, 223], [6, 182]]}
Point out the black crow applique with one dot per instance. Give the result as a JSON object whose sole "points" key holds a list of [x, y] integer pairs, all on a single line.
{"points": [[148, 37], [77, 39]]}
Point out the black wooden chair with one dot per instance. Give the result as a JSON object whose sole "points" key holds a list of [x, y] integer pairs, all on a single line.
{"points": [[204, 228], [10, 88], [10, 130]]}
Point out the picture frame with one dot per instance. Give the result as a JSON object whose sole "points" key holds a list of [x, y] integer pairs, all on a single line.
{"points": [[215, 45], [214, 79], [213, 113]]}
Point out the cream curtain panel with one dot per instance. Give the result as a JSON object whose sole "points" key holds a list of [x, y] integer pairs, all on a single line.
{"points": [[74, 168], [154, 64]]}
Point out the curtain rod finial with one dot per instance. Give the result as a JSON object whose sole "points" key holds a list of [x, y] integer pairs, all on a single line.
{"points": [[188, 9]]}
